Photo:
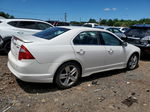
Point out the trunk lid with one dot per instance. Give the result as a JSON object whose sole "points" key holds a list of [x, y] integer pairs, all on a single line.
{"points": [[17, 42]]}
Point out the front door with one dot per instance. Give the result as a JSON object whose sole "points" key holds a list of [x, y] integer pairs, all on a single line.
{"points": [[115, 51]]}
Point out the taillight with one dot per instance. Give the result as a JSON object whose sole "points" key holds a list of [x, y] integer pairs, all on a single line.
{"points": [[24, 53]]}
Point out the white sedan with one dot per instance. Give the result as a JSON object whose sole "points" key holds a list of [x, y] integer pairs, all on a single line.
{"points": [[64, 54]]}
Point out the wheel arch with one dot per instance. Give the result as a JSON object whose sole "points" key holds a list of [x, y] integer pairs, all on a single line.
{"points": [[74, 61], [138, 56], [137, 53], [6, 39]]}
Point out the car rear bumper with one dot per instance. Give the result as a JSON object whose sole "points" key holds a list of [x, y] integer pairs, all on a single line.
{"points": [[29, 71]]}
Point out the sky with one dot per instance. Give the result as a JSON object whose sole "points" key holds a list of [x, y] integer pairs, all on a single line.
{"points": [[77, 10]]}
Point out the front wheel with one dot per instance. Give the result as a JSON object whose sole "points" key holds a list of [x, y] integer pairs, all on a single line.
{"points": [[133, 62], [67, 75]]}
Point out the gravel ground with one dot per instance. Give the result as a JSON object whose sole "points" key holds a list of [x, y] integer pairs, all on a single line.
{"points": [[113, 91]]}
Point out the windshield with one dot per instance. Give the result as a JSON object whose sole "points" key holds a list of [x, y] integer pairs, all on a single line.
{"points": [[51, 32], [138, 32]]}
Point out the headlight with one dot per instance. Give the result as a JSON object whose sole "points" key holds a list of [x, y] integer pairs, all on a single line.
{"points": [[145, 41]]}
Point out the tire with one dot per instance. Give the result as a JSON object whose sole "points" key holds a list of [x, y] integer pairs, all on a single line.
{"points": [[67, 75], [7, 47], [133, 61]]}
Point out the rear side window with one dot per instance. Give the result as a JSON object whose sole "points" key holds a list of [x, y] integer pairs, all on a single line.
{"points": [[27, 24], [51, 33], [87, 38], [13, 23], [110, 39]]}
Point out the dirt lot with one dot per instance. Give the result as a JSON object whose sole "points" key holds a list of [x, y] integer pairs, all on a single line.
{"points": [[113, 91]]}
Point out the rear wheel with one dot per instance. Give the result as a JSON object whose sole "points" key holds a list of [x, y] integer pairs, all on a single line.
{"points": [[133, 61], [7, 47], [67, 75]]}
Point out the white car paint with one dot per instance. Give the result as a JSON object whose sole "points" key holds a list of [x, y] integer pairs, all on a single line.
{"points": [[50, 54], [9, 30]]}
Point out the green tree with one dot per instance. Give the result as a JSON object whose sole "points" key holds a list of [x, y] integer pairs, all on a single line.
{"points": [[110, 22], [92, 21], [103, 22], [6, 15]]}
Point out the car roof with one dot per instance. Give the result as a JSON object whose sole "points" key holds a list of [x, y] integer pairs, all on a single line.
{"points": [[81, 28], [8, 20], [104, 27], [141, 25]]}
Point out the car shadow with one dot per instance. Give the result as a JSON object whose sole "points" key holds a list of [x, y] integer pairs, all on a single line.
{"points": [[97, 76], [145, 57], [2, 53], [34, 88]]}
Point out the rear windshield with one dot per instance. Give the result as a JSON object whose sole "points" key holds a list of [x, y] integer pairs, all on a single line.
{"points": [[138, 32], [51, 32]]}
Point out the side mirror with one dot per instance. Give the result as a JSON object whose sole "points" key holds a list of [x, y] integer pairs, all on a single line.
{"points": [[124, 44]]}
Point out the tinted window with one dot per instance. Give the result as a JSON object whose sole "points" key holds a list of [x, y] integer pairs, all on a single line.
{"points": [[51, 33], [87, 25], [109, 29], [116, 30], [138, 32], [42, 26], [13, 23], [109, 39], [86, 38], [27, 24]]}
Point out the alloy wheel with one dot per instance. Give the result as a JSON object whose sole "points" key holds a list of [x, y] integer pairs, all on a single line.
{"points": [[68, 75], [133, 61]]}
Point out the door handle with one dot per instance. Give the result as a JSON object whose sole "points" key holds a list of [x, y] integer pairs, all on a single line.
{"points": [[20, 33], [81, 51], [110, 51]]}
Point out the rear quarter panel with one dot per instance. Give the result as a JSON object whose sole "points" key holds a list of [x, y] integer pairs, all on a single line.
{"points": [[46, 53]]}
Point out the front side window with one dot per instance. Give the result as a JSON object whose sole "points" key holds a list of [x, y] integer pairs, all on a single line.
{"points": [[51, 33], [86, 38], [110, 39], [42, 26]]}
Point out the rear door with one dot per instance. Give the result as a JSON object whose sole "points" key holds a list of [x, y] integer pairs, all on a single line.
{"points": [[89, 51], [116, 53], [27, 28]]}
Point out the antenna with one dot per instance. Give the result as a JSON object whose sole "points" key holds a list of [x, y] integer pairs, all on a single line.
{"points": [[65, 17]]}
